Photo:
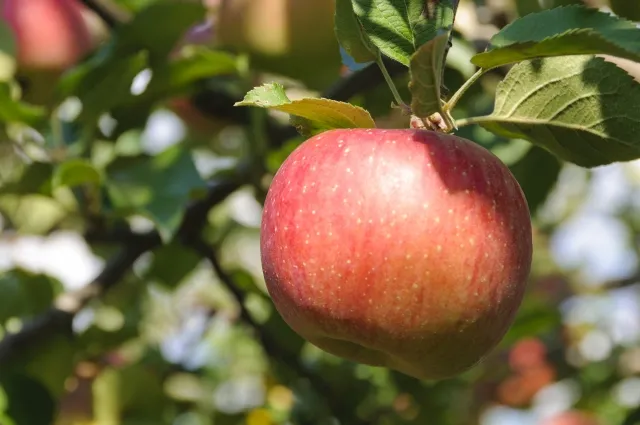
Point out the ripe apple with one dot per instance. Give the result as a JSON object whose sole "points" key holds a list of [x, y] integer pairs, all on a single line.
{"points": [[294, 38], [51, 36], [408, 249]]}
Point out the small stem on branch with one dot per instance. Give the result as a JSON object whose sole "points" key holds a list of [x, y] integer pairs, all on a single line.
{"points": [[472, 120], [389, 80], [463, 89]]}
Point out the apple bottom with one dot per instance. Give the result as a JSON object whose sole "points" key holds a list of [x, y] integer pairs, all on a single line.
{"points": [[425, 355]]}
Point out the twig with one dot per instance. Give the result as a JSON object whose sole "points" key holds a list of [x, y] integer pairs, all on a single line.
{"points": [[58, 318], [110, 13]]}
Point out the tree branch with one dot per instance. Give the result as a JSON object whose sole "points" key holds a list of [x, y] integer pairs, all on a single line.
{"points": [[58, 318], [110, 13], [271, 347]]}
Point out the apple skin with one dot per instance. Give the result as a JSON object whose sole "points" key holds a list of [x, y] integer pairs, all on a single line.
{"points": [[294, 38], [51, 34], [407, 249]]}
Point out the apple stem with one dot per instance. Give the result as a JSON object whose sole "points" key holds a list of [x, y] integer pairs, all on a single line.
{"points": [[390, 83], [462, 122], [462, 90]]}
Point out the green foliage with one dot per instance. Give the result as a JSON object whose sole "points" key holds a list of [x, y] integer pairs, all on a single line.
{"points": [[24, 294], [426, 76], [157, 187], [350, 34], [178, 328], [319, 114], [399, 27], [576, 107], [571, 30]]}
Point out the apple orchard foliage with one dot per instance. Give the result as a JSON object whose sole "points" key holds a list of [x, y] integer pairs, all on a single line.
{"points": [[402, 282]]}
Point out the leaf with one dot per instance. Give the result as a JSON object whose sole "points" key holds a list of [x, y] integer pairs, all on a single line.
{"points": [[158, 187], [399, 27], [23, 294], [14, 111], [51, 362], [524, 7], [36, 179], [580, 108], [7, 52], [175, 78], [171, 264], [537, 172], [350, 34], [24, 393], [426, 76], [626, 9], [76, 172], [570, 30], [323, 114], [105, 80]]}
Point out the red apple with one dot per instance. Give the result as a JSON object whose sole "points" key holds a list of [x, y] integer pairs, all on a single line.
{"points": [[50, 34], [408, 249]]}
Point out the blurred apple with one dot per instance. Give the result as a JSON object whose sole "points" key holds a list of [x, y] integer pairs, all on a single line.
{"points": [[51, 36], [527, 353], [294, 38], [519, 389]]}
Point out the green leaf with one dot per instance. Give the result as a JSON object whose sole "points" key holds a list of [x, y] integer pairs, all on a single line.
{"points": [[142, 31], [35, 179], [323, 114], [537, 172], [351, 35], [29, 401], [158, 187], [171, 264], [571, 30], [102, 87], [7, 52], [175, 78], [76, 172], [399, 27], [626, 9], [23, 294], [104, 81], [426, 76], [524, 7], [580, 108], [14, 111], [51, 362]]}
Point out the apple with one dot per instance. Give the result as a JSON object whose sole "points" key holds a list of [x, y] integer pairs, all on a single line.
{"points": [[294, 38], [572, 417], [408, 249], [51, 36]]}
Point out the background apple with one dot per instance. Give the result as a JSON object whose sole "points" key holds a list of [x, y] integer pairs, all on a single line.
{"points": [[289, 37], [51, 36], [402, 248]]}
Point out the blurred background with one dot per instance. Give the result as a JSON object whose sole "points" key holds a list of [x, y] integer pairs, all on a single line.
{"points": [[177, 341]]}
